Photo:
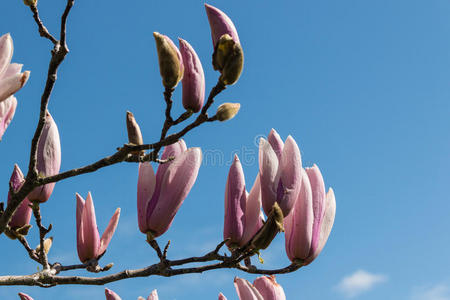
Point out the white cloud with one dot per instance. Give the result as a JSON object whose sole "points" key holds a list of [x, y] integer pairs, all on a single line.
{"points": [[433, 292], [359, 282]]}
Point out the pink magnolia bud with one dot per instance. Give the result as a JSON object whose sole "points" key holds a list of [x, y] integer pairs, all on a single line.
{"points": [[7, 110], [280, 174], [269, 288], [48, 159], [159, 197], [242, 210], [110, 295], [153, 295], [23, 213], [24, 297], [11, 78], [246, 290], [222, 297], [220, 24], [312, 218], [89, 244], [193, 78]]}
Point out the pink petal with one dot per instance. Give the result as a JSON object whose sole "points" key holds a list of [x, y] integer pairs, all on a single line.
{"points": [[11, 70], [110, 295], [109, 232], [290, 175], [298, 224], [177, 182], [81, 249], [235, 201], [269, 288], [24, 297], [48, 159], [253, 220], [276, 142], [220, 24], [268, 171], [145, 189], [10, 85], [173, 150], [90, 231], [327, 224], [153, 295], [6, 52], [22, 214], [245, 290], [193, 78], [318, 197], [222, 297], [7, 110]]}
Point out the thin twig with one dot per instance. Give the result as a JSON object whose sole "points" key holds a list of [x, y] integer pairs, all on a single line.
{"points": [[42, 29], [42, 232]]}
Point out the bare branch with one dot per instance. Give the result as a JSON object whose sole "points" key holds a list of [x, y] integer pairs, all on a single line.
{"points": [[42, 29]]}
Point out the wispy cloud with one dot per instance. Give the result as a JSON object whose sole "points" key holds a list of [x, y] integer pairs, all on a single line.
{"points": [[359, 282], [432, 292]]}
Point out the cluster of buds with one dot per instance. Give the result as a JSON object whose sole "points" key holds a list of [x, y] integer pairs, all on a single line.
{"points": [[293, 199], [12, 79]]}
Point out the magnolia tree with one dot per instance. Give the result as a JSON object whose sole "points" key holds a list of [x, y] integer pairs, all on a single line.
{"points": [[285, 196]]}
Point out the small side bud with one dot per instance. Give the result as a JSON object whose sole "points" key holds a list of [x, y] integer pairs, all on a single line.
{"points": [[107, 267], [30, 2], [170, 61], [47, 245], [228, 58], [269, 230], [134, 132], [227, 111]]}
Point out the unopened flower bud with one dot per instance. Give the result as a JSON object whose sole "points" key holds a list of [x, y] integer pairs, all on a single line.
{"points": [[227, 111], [47, 245], [269, 230], [228, 58], [170, 61], [134, 132]]}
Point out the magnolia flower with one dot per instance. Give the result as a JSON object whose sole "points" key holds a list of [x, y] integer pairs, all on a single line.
{"points": [[263, 288], [11, 80], [280, 167], [242, 210], [24, 297], [48, 159], [170, 61], [89, 244], [110, 295], [309, 224], [152, 296], [193, 78], [23, 213], [159, 197]]}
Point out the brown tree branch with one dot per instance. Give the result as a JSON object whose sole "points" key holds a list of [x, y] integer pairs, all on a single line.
{"points": [[48, 278]]}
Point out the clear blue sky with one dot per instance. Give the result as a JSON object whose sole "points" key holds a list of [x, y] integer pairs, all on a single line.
{"points": [[363, 87]]}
